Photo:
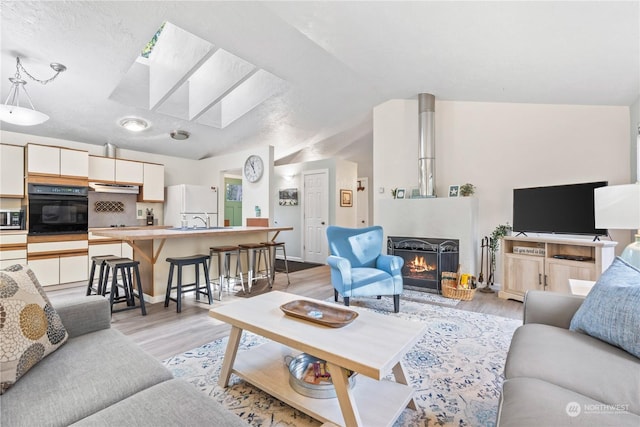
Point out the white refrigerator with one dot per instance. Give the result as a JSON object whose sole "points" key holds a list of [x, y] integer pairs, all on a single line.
{"points": [[186, 201]]}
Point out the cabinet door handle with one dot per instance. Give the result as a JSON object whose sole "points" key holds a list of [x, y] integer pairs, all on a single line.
{"points": [[545, 281], [539, 278]]}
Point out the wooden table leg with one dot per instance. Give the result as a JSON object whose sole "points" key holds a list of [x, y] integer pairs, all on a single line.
{"points": [[340, 379], [401, 377], [230, 356]]}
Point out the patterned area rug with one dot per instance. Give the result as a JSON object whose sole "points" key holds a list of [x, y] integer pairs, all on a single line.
{"points": [[455, 369]]}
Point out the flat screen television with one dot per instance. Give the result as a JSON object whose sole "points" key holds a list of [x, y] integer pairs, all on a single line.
{"points": [[563, 209]]}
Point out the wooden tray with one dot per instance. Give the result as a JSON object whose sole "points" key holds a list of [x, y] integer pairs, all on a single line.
{"points": [[322, 314]]}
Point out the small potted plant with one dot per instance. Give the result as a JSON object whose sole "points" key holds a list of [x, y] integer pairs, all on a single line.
{"points": [[467, 190], [494, 245]]}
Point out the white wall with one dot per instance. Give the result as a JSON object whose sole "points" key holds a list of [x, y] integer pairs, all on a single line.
{"points": [[499, 147]]}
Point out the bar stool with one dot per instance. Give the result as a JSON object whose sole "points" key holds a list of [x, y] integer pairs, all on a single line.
{"points": [[256, 250], [100, 288], [273, 249], [223, 254], [181, 288], [126, 267]]}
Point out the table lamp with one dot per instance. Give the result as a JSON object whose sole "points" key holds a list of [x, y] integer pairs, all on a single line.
{"points": [[618, 207]]}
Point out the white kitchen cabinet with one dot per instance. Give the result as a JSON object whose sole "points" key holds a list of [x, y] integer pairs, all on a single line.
{"points": [[13, 249], [47, 270], [11, 171], [102, 169], [74, 163], [57, 161], [129, 172], [43, 159], [58, 261], [153, 185]]}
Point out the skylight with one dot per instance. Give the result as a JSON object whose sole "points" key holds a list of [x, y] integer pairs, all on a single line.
{"points": [[182, 75]]}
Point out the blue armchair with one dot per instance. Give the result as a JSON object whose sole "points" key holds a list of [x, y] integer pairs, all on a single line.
{"points": [[358, 267]]}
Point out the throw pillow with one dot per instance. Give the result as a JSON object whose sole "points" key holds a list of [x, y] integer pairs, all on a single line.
{"points": [[30, 328], [611, 311]]}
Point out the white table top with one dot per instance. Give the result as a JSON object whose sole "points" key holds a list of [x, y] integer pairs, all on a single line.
{"points": [[372, 344]]}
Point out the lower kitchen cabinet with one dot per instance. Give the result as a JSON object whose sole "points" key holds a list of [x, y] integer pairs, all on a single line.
{"points": [[13, 249], [58, 259]]}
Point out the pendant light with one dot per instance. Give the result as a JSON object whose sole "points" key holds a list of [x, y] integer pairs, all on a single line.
{"points": [[11, 111]]}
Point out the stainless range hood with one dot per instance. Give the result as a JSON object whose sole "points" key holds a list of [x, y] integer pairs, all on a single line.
{"points": [[100, 187]]}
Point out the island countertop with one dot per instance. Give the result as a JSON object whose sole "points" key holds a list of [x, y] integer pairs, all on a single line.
{"points": [[173, 233], [151, 246]]}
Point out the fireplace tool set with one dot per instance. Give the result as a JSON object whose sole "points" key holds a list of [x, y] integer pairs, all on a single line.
{"points": [[486, 253]]}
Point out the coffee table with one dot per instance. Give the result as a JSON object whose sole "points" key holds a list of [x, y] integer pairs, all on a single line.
{"points": [[372, 345]]}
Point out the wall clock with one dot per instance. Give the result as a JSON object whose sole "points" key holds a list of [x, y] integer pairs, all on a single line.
{"points": [[253, 168]]}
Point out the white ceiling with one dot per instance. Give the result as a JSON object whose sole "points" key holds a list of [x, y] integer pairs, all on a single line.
{"points": [[338, 59]]}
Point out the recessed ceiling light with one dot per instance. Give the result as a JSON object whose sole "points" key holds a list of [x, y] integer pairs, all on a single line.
{"points": [[180, 135], [134, 124]]}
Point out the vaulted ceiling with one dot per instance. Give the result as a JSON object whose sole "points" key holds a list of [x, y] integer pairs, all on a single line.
{"points": [[334, 62]]}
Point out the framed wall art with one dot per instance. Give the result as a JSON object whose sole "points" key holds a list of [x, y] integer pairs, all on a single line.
{"points": [[346, 198], [288, 197]]}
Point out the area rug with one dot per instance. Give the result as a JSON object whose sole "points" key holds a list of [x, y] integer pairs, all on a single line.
{"points": [[456, 370]]}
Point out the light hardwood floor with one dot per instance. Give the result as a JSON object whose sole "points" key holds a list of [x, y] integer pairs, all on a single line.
{"points": [[164, 333]]}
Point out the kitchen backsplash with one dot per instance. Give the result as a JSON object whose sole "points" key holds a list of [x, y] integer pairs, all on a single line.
{"points": [[107, 209]]}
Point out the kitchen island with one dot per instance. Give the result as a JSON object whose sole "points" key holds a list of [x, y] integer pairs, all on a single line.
{"points": [[153, 246]]}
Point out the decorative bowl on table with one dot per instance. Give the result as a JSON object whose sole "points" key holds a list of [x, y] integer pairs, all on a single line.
{"points": [[303, 380], [323, 314]]}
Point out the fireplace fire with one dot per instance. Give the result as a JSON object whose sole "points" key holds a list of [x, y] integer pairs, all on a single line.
{"points": [[424, 260]]}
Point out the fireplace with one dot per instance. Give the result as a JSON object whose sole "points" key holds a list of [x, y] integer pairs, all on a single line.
{"points": [[424, 260]]}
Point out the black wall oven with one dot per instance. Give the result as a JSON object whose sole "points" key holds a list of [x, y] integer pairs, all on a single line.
{"points": [[58, 209]]}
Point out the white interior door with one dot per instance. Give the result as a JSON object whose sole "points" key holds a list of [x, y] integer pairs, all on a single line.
{"points": [[362, 202], [316, 216]]}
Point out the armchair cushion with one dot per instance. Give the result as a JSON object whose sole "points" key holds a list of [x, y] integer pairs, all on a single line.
{"points": [[30, 329]]}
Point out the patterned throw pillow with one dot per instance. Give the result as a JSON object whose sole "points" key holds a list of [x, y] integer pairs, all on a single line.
{"points": [[611, 311], [30, 328]]}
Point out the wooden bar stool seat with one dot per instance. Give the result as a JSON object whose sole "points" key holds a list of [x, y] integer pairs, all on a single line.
{"points": [[127, 268], [255, 252], [223, 255], [180, 287]]}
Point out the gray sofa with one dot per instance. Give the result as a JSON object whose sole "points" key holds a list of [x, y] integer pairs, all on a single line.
{"points": [[100, 378], [558, 377]]}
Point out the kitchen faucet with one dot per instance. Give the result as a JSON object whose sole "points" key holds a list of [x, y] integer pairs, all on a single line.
{"points": [[207, 222]]}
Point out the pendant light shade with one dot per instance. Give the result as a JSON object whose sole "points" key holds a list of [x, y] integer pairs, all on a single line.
{"points": [[12, 111]]}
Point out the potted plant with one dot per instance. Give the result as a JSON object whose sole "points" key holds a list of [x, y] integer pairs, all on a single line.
{"points": [[467, 189], [494, 245]]}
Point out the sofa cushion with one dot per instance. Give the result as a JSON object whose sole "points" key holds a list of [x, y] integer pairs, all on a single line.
{"points": [[86, 375], [170, 403], [576, 362], [30, 329], [611, 311], [529, 402]]}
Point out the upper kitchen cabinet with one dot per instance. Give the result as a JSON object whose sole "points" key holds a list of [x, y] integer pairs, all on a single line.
{"points": [[129, 172], [57, 161], [102, 169], [153, 185], [112, 170], [11, 171]]}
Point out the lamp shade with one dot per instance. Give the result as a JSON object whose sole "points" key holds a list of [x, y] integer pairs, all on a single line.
{"points": [[617, 207], [21, 116]]}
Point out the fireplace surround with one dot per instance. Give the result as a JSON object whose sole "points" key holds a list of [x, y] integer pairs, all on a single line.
{"points": [[424, 260]]}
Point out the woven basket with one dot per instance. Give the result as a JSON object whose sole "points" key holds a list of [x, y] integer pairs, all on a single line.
{"points": [[456, 293], [449, 285]]}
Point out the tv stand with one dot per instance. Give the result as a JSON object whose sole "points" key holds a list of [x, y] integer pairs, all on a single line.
{"points": [[548, 263]]}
